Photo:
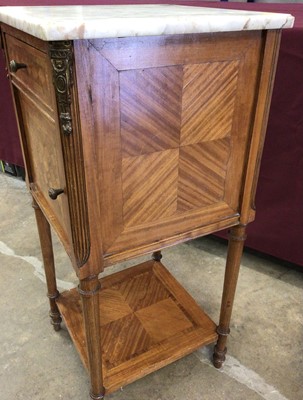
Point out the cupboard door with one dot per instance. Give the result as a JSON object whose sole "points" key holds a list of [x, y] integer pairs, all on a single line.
{"points": [[44, 160]]}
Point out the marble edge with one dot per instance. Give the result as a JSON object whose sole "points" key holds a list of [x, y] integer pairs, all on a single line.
{"points": [[207, 21]]}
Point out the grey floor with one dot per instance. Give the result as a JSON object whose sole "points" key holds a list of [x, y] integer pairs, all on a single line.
{"points": [[265, 357]]}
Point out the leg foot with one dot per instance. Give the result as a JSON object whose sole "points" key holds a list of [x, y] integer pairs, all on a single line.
{"points": [[55, 320], [219, 357], [96, 396], [157, 256]]}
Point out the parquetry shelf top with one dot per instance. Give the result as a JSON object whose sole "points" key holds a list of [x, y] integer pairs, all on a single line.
{"points": [[90, 22]]}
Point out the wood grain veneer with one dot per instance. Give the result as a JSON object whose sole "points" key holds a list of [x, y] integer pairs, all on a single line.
{"points": [[134, 304], [146, 142], [171, 134]]}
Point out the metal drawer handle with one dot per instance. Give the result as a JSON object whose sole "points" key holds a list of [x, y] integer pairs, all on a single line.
{"points": [[54, 193], [14, 66]]}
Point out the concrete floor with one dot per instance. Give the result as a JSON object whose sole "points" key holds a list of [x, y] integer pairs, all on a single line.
{"points": [[265, 357]]}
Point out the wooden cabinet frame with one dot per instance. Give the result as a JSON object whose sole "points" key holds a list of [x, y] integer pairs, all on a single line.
{"points": [[132, 145]]}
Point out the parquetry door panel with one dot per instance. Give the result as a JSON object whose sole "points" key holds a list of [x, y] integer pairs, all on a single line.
{"points": [[170, 159]]}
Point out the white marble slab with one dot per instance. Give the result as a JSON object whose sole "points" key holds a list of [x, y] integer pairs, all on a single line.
{"points": [[89, 22]]}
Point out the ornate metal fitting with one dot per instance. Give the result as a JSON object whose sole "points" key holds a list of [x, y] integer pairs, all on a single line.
{"points": [[61, 54]]}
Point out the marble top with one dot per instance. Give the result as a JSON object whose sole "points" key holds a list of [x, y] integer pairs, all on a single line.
{"points": [[90, 22]]}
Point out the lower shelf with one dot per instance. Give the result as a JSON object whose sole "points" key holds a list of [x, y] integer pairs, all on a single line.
{"points": [[147, 321]]}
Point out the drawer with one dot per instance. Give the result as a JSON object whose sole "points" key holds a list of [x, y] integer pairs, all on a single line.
{"points": [[36, 77]]}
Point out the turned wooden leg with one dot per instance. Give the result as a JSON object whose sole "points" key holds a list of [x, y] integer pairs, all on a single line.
{"points": [[49, 265], [157, 255], [235, 249], [89, 290]]}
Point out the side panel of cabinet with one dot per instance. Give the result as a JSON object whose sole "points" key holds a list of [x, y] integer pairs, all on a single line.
{"points": [[169, 122]]}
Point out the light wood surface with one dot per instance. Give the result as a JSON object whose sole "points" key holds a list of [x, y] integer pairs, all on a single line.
{"points": [[147, 320], [171, 136]]}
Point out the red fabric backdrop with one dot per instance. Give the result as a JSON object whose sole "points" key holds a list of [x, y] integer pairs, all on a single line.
{"points": [[278, 229]]}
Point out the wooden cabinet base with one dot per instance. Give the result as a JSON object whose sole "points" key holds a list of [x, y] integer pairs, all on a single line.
{"points": [[147, 320]]}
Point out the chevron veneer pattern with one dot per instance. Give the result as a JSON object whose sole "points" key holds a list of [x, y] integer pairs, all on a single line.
{"points": [[142, 291], [209, 93], [176, 124], [150, 109], [149, 186], [202, 173]]}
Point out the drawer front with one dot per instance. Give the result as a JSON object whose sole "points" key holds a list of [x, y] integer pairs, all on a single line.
{"points": [[35, 75]]}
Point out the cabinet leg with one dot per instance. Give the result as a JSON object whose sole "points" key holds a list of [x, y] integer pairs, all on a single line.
{"points": [[157, 255], [89, 290], [237, 237], [49, 265]]}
